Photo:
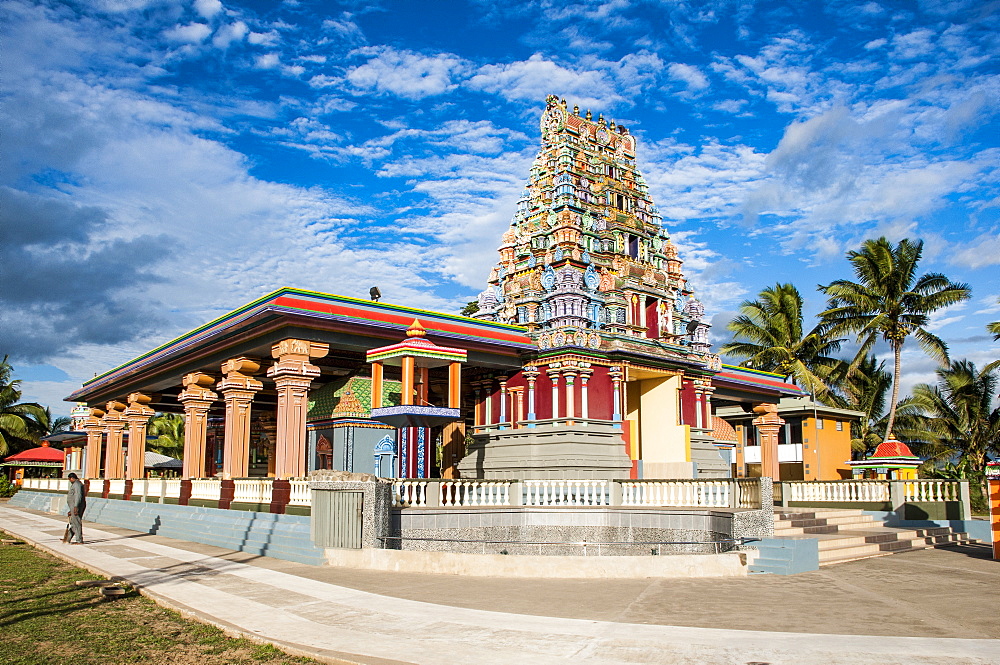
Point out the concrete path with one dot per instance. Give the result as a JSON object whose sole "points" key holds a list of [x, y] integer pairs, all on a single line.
{"points": [[291, 606]]}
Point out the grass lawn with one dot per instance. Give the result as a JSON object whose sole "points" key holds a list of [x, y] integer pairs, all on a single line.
{"points": [[46, 618]]}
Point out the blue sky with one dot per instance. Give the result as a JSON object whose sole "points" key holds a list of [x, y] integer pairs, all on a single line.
{"points": [[165, 162]]}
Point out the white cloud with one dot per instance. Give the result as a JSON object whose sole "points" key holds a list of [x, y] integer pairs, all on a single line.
{"points": [[264, 38], [407, 74], [537, 77], [267, 61], [980, 252], [227, 34], [910, 46], [192, 33], [207, 8], [689, 75]]}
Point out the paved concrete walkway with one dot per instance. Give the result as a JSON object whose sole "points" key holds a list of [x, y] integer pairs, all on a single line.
{"points": [[344, 616]]}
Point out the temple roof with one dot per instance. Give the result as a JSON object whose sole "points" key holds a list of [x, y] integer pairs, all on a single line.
{"points": [[722, 431], [892, 448], [43, 453]]}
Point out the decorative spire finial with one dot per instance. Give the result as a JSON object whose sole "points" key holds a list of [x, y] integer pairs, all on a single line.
{"points": [[416, 330]]}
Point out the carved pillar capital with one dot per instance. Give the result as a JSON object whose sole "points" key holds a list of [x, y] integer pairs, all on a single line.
{"points": [[197, 388], [299, 349], [239, 375]]}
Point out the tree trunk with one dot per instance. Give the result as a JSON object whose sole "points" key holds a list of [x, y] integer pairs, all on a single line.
{"points": [[897, 351]]}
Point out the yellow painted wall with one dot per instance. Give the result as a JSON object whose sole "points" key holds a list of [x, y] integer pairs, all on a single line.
{"points": [[834, 449], [632, 403], [665, 443]]}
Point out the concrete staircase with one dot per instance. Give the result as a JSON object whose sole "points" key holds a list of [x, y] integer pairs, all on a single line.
{"points": [[846, 535]]}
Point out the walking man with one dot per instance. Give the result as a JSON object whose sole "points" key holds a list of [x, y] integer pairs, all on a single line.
{"points": [[76, 501]]}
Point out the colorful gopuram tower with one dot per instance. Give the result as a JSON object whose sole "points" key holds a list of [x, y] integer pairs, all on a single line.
{"points": [[622, 343], [586, 258]]}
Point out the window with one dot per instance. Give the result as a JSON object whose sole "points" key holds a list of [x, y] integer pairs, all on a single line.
{"points": [[819, 423], [840, 425]]}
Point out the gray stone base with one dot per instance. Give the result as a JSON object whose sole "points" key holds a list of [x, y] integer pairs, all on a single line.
{"points": [[594, 451], [519, 531], [708, 460]]}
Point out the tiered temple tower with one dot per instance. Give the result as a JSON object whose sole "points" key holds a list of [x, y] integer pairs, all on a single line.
{"points": [[621, 376], [586, 257]]}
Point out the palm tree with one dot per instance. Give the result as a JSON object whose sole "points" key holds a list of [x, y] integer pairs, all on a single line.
{"points": [[769, 333], [21, 423], [889, 302], [960, 417], [57, 424], [168, 428]]}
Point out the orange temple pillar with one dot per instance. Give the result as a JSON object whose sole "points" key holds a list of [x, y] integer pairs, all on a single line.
{"points": [[993, 485], [292, 376], [768, 423], [137, 414], [114, 426], [197, 398], [377, 385], [238, 388], [95, 442]]}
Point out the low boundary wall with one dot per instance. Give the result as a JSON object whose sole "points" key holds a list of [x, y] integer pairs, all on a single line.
{"points": [[266, 534], [520, 526]]}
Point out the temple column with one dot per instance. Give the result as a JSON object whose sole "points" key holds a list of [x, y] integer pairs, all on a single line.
{"points": [[137, 415], [477, 406], [503, 401], [406, 398], [238, 388], [455, 385], [377, 386], [197, 398], [292, 376], [114, 426], [95, 442], [570, 392], [531, 375], [768, 423], [554, 373], [616, 394], [707, 405], [699, 415], [585, 373]]}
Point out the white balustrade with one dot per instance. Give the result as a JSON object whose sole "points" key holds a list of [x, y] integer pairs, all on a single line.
{"points": [[96, 486], [931, 491], [566, 493], [409, 493], [116, 486], [749, 492], [206, 489], [300, 495], [677, 493], [252, 490], [172, 488], [842, 491], [455, 493]]}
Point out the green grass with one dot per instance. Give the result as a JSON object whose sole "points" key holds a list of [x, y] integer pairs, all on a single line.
{"points": [[46, 619]]}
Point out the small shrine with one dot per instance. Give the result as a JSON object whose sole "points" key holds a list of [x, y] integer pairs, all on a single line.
{"points": [[41, 462], [892, 460], [416, 356]]}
